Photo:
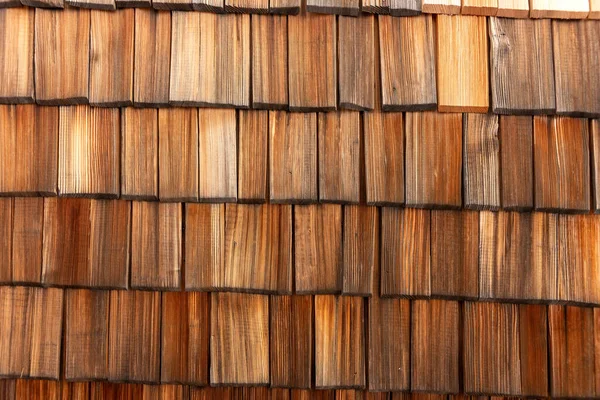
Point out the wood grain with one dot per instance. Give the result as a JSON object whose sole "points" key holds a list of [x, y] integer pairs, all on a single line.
{"points": [[208, 5], [433, 159], [384, 158], [491, 348], [576, 60], [134, 336], [28, 150], [522, 67], [405, 8], [6, 219], [89, 140], [579, 258], [184, 337], [217, 160], [253, 136], [479, 7], [561, 164], [152, 59], [361, 249], [513, 8], [376, 6], [407, 63], [339, 157], [156, 245], [455, 254], [269, 62], [258, 249], [516, 162], [62, 56], [86, 334], [182, 5], [405, 264], [26, 389], [291, 341], [184, 84], [559, 9], [571, 337], [15, 330], [312, 50], [43, 3], [291, 7], [339, 342], [247, 6], [518, 256], [533, 335], [204, 245], [16, 55], [441, 6], [595, 162], [139, 153], [462, 64], [292, 157], [435, 346], [27, 223], [341, 7], [106, 5], [318, 248], [481, 152], [178, 154], [357, 43], [239, 342]]}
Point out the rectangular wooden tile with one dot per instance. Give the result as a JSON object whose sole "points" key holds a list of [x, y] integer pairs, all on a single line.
{"points": [[312, 47], [224, 60], [462, 64], [361, 250], [561, 164], [491, 348], [408, 70], [576, 62], [479, 7], [15, 338], [433, 159], [29, 388], [134, 336], [111, 64], [217, 160], [595, 162], [253, 128], [405, 8], [339, 157], [178, 154], [184, 83], [291, 341], [435, 346], [405, 264], [578, 258], [513, 8], [89, 141], [357, 62], [455, 254], [292, 157], [204, 245], [291, 7], [559, 9], [441, 6], [156, 245], [518, 256], [481, 162], [86, 334], [16, 55], [384, 158], [152, 58], [342, 7], [533, 335], [376, 6], [339, 342], [239, 343], [269, 62], [516, 162], [62, 56], [522, 67], [139, 153], [184, 337], [572, 359], [27, 223], [247, 6], [28, 150], [318, 248], [258, 249], [45, 315]]}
